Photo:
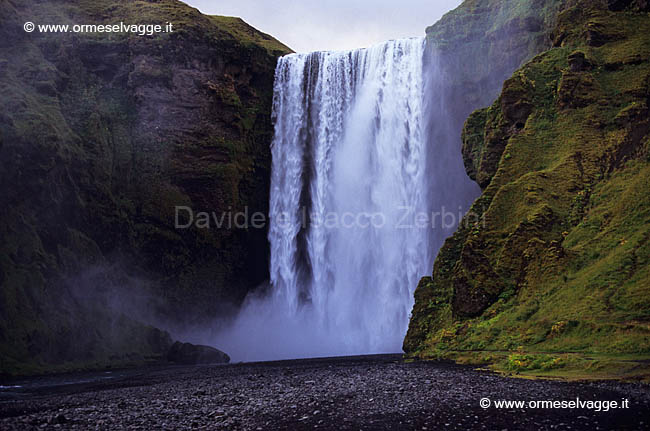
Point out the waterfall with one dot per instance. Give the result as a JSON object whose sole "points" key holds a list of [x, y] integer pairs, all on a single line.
{"points": [[350, 205]]}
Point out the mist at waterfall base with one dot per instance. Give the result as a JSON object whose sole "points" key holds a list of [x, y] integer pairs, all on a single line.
{"points": [[360, 133]]}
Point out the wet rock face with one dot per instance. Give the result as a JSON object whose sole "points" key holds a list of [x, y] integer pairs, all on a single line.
{"points": [[106, 136], [481, 43]]}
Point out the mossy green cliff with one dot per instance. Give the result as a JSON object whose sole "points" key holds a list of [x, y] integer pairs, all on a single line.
{"points": [[482, 42], [555, 273], [101, 137]]}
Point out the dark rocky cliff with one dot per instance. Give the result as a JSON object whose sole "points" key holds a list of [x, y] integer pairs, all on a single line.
{"points": [[101, 137], [558, 260]]}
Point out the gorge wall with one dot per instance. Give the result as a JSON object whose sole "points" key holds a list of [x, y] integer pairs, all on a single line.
{"points": [[558, 260], [106, 135], [374, 131], [101, 137], [469, 53], [480, 44]]}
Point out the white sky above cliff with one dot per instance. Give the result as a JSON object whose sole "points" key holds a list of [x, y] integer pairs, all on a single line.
{"points": [[312, 25]]}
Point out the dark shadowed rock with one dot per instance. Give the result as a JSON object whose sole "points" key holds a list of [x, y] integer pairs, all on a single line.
{"points": [[192, 354], [107, 135], [579, 63], [618, 5]]}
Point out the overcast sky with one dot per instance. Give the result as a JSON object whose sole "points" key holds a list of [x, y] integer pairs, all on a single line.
{"points": [[312, 25]]}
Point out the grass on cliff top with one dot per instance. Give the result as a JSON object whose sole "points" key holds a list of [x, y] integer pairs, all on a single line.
{"points": [[184, 18], [239, 29]]}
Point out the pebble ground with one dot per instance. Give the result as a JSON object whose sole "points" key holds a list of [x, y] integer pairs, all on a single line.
{"points": [[355, 393]]}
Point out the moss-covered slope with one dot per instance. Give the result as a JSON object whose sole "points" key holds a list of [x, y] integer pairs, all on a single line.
{"points": [[101, 137], [558, 260], [480, 43]]}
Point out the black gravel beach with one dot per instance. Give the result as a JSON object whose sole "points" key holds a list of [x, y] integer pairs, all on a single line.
{"points": [[349, 393]]}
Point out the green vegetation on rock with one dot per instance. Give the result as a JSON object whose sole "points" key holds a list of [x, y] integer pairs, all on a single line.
{"points": [[555, 277], [480, 43], [101, 137]]}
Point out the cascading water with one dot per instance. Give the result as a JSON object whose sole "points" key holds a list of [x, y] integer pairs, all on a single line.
{"points": [[350, 200]]}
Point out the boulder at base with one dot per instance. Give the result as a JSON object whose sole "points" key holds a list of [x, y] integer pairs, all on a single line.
{"points": [[192, 354]]}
